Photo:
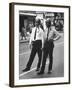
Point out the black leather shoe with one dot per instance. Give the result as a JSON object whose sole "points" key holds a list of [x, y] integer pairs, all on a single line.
{"points": [[41, 72], [37, 69], [26, 69], [50, 71]]}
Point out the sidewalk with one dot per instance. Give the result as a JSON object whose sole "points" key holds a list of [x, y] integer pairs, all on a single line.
{"points": [[23, 41], [26, 41]]}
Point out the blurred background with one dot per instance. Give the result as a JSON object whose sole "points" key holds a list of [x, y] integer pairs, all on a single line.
{"points": [[27, 22]]}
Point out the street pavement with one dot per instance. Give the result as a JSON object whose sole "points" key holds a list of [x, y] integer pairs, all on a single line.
{"points": [[58, 61]]}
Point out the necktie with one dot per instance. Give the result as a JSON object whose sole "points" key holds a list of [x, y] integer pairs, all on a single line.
{"points": [[47, 33], [35, 34]]}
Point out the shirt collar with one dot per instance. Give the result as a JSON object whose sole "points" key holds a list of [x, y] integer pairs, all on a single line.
{"points": [[38, 29]]}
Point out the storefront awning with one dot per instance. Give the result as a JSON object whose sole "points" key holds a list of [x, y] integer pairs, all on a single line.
{"points": [[28, 14]]}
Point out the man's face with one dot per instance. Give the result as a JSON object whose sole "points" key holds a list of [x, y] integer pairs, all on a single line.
{"points": [[48, 24], [37, 22]]}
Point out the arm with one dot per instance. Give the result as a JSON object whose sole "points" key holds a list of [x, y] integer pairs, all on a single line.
{"points": [[43, 38], [30, 41], [58, 36]]}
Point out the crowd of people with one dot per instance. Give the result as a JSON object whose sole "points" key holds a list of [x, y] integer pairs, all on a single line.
{"points": [[42, 42]]}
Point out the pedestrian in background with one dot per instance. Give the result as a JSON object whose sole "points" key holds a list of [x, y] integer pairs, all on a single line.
{"points": [[36, 45], [23, 33]]}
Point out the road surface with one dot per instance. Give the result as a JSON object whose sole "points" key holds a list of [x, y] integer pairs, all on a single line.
{"points": [[58, 61]]}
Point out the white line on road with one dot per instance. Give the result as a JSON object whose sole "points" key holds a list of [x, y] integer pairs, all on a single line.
{"points": [[57, 45], [29, 71], [26, 72]]}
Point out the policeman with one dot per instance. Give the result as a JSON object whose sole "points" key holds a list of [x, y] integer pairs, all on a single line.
{"points": [[51, 35], [36, 44]]}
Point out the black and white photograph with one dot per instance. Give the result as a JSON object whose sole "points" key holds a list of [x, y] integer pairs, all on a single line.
{"points": [[41, 44], [36, 57]]}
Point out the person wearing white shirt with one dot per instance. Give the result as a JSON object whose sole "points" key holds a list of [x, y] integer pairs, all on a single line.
{"points": [[50, 36], [36, 45]]}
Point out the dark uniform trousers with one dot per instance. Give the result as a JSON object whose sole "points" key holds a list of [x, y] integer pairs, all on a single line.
{"points": [[36, 48], [47, 51]]}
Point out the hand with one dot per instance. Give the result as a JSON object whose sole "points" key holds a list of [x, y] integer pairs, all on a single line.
{"points": [[51, 40], [30, 46], [57, 38]]}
